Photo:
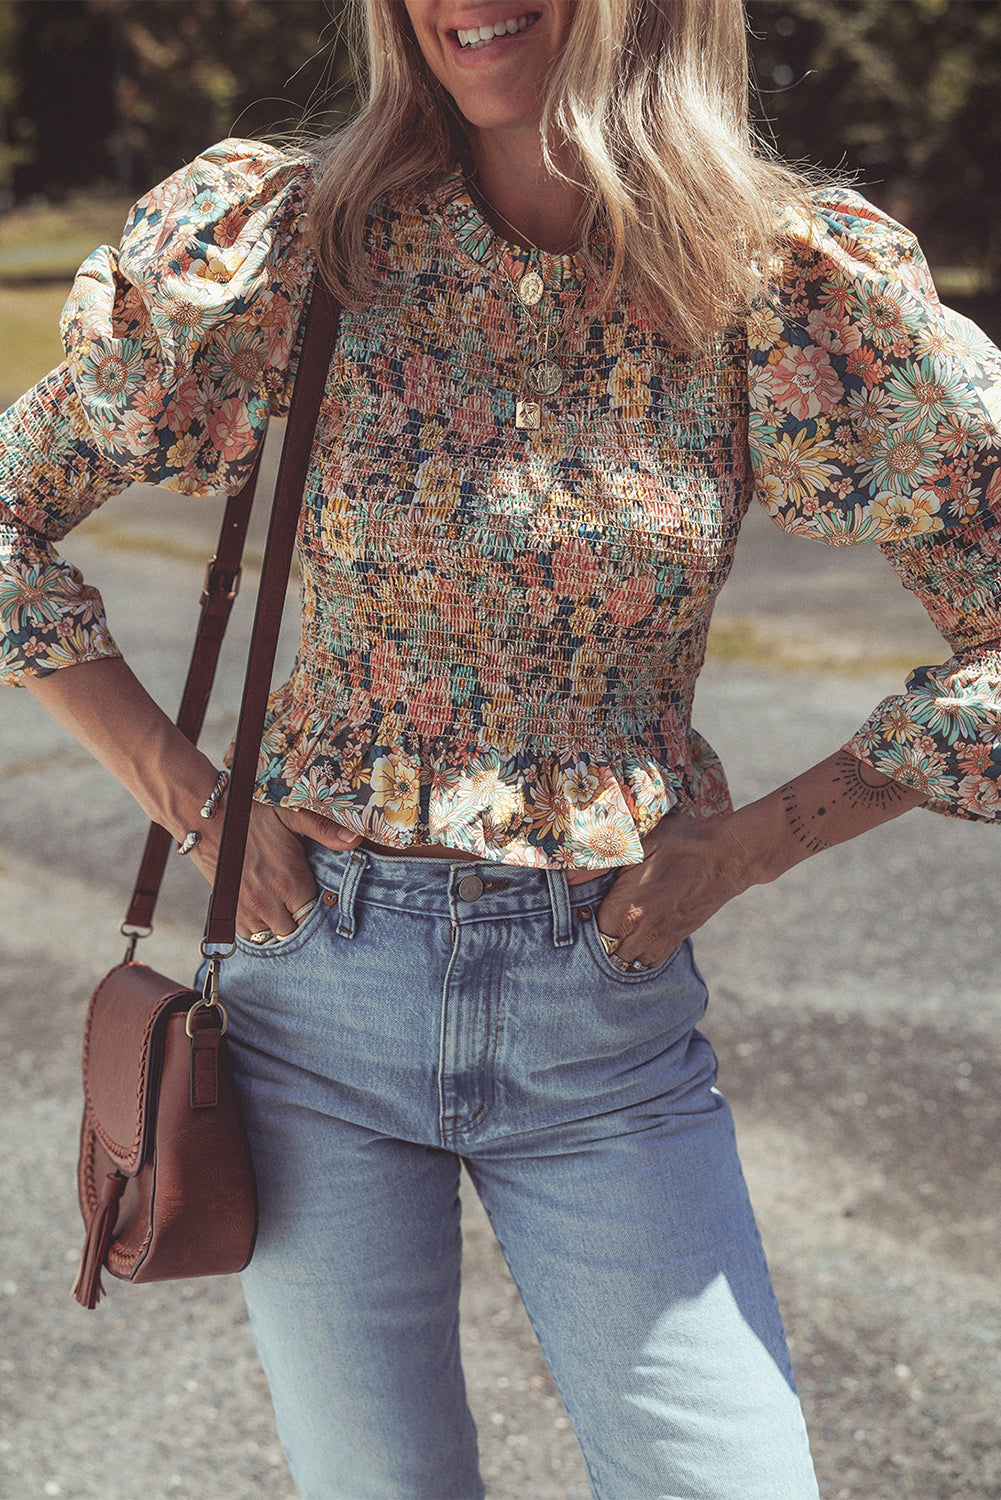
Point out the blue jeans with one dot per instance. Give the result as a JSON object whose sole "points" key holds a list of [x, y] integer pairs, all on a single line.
{"points": [[428, 1014]]}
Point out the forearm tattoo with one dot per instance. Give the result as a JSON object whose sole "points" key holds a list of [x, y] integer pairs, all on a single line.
{"points": [[855, 784]]}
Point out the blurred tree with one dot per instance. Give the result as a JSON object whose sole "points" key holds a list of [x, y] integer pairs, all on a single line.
{"points": [[902, 93], [121, 91]]}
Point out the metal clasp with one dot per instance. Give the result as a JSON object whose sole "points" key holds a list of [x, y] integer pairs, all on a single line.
{"points": [[210, 997], [133, 933]]}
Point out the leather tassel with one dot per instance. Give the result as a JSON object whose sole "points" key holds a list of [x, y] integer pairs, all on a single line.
{"points": [[87, 1288]]}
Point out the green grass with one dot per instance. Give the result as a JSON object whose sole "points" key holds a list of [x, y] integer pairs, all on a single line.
{"points": [[29, 335], [62, 234], [40, 249], [732, 638]]}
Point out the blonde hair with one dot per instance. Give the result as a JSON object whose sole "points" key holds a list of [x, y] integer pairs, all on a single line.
{"points": [[682, 205]]}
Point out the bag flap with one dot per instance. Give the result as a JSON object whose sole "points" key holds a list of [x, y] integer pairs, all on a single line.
{"points": [[122, 1047]]}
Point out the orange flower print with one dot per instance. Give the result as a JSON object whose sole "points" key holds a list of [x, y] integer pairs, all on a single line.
{"points": [[386, 672], [629, 388], [431, 706], [230, 429], [474, 420], [576, 570], [805, 382], [834, 334], [632, 600]]}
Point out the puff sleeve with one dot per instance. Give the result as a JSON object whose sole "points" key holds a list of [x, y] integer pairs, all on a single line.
{"points": [[178, 347], [874, 417]]}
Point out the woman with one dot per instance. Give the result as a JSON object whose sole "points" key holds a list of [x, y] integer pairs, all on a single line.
{"points": [[583, 322]]}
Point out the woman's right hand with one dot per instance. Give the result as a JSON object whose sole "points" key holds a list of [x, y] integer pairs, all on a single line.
{"points": [[277, 882], [110, 713]]}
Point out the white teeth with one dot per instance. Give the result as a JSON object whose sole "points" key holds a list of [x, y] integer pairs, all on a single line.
{"points": [[482, 36]]}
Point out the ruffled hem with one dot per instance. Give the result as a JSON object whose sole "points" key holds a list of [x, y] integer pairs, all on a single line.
{"points": [[566, 810]]}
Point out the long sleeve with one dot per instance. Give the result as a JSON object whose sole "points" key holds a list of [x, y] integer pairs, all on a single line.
{"points": [[179, 346], [875, 418]]}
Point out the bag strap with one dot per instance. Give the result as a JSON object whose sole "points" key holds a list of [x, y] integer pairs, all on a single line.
{"points": [[310, 380], [222, 578], [222, 584]]}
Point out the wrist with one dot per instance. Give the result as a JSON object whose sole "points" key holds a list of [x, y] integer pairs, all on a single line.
{"points": [[173, 783], [762, 848]]}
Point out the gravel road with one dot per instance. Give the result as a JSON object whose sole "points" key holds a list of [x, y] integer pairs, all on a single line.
{"points": [[856, 1010]]}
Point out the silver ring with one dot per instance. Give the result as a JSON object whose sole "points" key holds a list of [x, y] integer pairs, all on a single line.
{"points": [[260, 938], [303, 912], [631, 965]]}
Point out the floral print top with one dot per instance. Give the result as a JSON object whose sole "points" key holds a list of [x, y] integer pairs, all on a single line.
{"points": [[501, 627]]}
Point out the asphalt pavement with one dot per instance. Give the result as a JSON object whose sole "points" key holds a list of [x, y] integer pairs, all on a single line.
{"points": [[856, 1010]]}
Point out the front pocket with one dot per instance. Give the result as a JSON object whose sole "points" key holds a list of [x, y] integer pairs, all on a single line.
{"points": [[295, 940], [586, 918]]}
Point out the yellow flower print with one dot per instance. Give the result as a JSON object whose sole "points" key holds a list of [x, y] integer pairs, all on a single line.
{"points": [[410, 242], [801, 466], [218, 265], [550, 812], [764, 328], [580, 786], [907, 515], [396, 788], [183, 452], [589, 678], [630, 388], [437, 487], [614, 335]]}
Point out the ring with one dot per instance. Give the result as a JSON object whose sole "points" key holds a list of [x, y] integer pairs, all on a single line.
{"points": [[608, 943], [631, 966], [265, 936], [303, 912]]}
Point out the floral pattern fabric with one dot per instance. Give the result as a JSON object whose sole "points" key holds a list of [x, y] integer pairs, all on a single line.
{"points": [[501, 628]]}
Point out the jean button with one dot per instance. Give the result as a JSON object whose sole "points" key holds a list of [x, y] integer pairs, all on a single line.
{"points": [[470, 887]]}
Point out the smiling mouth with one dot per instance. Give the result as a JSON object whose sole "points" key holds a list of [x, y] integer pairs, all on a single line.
{"points": [[483, 36]]}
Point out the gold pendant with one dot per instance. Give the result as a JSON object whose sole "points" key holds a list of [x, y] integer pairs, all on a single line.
{"points": [[545, 378], [530, 288], [528, 415]]}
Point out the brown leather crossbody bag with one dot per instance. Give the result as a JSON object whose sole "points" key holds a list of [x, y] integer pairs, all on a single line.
{"points": [[165, 1179]]}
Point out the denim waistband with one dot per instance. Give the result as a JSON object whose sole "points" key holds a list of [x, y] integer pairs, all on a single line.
{"points": [[462, 891]]}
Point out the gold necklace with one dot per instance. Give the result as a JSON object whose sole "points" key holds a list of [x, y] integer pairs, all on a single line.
{"points": [[543, 373]]}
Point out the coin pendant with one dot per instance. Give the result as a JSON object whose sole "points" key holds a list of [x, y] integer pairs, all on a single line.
{"points": [[528, 415], [545, 377], [530, 288]]}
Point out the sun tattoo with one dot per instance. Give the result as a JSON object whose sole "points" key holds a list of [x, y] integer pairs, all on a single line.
{"points": [[854, 783], [804, 825], [863, 786]]}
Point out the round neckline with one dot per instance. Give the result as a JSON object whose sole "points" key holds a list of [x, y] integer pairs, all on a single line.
{"points": [[477, 238]]}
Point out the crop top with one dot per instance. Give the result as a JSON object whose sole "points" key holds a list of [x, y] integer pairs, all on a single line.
{"points": [[501, 628]]}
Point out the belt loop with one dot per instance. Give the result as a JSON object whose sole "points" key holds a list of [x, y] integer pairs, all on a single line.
{"points": [[559, 898], [353, 871]]}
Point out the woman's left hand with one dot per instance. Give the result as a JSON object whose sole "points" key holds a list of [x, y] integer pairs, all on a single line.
{"points": [[691, 867]]}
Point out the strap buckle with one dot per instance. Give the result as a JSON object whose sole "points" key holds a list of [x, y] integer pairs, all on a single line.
{"points": [[220, 583]]}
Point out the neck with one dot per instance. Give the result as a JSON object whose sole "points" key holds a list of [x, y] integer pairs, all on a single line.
{"points": [[523, 199]]}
